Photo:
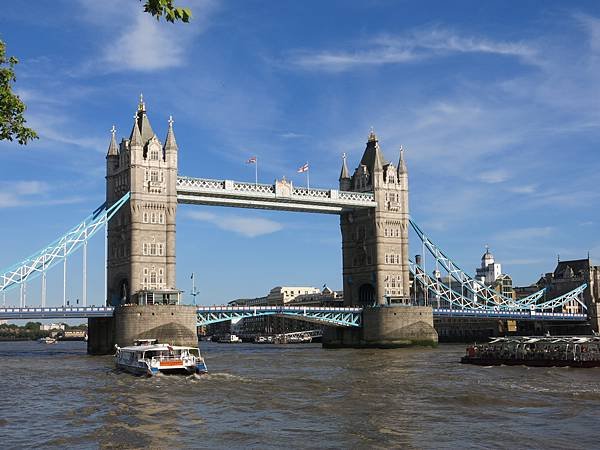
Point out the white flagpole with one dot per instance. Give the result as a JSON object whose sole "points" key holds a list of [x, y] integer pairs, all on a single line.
{"points": [[307, 176]]}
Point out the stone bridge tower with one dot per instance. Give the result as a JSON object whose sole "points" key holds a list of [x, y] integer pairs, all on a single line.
{"points": [[375, 241], [375, 259], [141, 236]]}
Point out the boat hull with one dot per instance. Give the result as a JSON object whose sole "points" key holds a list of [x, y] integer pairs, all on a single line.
{"points": [[531, 363]]}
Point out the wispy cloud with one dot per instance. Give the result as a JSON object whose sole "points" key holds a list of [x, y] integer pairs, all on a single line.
{"points": [[29, 193], [246, 226], [409, 47], [524, 234], [493, 176], [134, 40]]}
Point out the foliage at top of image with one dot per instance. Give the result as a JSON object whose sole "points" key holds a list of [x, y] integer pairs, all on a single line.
{"points": [[166, 9]]}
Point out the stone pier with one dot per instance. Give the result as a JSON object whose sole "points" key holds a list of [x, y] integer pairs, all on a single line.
{"points": [[172, 324], [386, 327]]}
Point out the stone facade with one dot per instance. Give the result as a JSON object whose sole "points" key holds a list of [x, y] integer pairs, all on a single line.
{"points": [[141, 236], [375, 241]]}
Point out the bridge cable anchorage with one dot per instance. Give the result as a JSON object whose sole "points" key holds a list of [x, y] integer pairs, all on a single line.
{"points": [[38, 263], [478, 290]]}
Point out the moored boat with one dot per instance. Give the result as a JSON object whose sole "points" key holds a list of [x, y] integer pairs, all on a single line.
{"points": [[547, 351], [148, 357], [47, 340]]}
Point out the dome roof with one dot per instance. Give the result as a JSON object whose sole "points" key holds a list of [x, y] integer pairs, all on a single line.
{"points": [[487, 255]]}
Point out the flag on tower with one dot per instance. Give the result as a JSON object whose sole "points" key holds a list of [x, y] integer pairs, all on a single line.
{"points": [[251, 160], [303, 169]]}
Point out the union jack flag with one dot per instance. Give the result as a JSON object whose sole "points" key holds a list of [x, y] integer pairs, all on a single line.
{"points": [[304, 168], [251, 160]]}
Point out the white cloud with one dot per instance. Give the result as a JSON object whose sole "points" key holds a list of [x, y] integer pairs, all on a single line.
{"points": [[524, 189], [30, 193], [246, 226], [524, 234], [411, 46], [493, 176], [137, 41], [524, 261]]}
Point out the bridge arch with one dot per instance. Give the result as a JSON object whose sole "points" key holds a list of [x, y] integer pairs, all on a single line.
{"points": [[366, 294]]}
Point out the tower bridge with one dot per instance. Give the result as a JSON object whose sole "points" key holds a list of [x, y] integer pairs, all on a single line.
{"points": [[143, 189]]}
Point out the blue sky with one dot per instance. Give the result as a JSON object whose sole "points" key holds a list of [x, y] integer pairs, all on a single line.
{"points": [[496, 103]]}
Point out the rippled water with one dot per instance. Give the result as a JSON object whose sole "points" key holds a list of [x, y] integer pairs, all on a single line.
{"points": [[263, 396]]}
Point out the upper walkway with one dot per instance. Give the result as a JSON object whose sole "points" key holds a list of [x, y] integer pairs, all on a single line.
{"points": [[278, 196]]}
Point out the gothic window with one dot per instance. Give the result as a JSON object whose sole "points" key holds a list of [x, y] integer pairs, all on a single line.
{"points": [[397, 232], [153, 217], [153, 249], [145, 217], [160, 250], [386, 232], [145, 174], [162, 176], [145, 249], [161, 218], [160, 277], [154, 175], [393, 281]]}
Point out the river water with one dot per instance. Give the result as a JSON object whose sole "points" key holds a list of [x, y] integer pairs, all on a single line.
{"points": [[294, 396]]}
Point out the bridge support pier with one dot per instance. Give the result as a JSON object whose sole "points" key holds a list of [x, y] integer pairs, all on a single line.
{"points": [[172, 324], [386, 327]]}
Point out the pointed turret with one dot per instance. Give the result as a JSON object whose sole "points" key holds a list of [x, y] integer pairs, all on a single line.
{"points": [[344, 175], [170, 142], [402, 170], [373, 156], [135, 139], [143, 123], [112, 148]]}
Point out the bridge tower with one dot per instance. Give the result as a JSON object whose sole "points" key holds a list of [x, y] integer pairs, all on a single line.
{"points": [[141, 244], [141, 237], [375, 241], [375, 258]]}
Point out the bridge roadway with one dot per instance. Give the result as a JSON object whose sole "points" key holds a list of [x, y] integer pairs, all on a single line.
{"points": [[279, 196], [346, 316]]}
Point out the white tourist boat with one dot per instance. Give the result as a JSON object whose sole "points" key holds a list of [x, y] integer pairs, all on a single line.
{"points": [[147, 357], [47, 340]]}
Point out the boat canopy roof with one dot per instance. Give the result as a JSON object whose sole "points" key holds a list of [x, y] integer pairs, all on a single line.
{"points": [[156, 347]]}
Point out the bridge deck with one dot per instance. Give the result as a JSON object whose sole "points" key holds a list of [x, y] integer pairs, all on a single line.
{"points": [[343, 316]]}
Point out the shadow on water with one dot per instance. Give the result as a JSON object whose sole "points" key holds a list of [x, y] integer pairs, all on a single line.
{"points": [[301, 396]]}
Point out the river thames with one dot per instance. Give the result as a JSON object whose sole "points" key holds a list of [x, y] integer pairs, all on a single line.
{"points": [[295, 396]]}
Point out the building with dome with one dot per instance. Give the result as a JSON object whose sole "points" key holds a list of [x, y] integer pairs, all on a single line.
{"points": [[490, 270]]}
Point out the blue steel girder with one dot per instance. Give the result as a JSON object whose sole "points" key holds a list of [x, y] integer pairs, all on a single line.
{"points": [[59, 249], [344, 317], [484, 294], [509, 315], [446, 293]]}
